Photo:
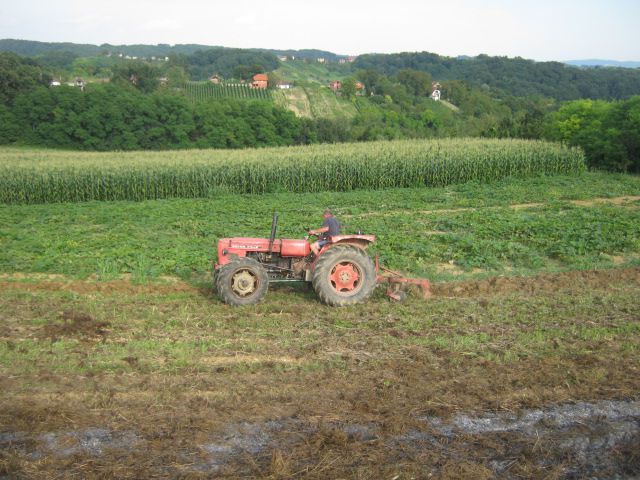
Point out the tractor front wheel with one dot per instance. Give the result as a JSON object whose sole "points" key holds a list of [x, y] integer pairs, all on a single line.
{"points": [[243, 281], [344, 275]]}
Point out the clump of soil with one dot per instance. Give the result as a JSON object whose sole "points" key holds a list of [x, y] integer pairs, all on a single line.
{"points": [[75, 324]]}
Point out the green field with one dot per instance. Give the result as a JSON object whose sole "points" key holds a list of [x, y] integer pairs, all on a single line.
{"points": [[312, 72], [515, 226], [117, 360], [41, 176], [313, 101]]}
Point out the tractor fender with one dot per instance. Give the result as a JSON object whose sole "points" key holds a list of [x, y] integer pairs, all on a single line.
{"points": [[357, 241], [360, 241]]}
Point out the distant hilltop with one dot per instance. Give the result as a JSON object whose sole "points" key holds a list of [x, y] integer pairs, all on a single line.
{"points": [[35, 48], [602, 63]]}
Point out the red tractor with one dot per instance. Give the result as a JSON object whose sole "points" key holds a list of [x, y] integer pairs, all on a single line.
{"points": [[341, 274]]}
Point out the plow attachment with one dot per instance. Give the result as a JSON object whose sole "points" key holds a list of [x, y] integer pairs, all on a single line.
{"points": [[396, 281]]}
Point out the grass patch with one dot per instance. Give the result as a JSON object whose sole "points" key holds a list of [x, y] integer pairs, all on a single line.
{"points": [[477, 231]]}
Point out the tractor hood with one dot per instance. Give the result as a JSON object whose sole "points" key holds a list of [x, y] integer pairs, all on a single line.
{"points": [[229, 248]]}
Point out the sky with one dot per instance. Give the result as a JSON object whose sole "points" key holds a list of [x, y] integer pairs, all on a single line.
{"points": [[540, 30]]}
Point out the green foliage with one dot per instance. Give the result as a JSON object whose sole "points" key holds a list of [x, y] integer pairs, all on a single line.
{"points": [[609, 133], [229, 62], [471, 225], [142, 75], [118, 117], [57, 60], [9, 128], [417, 83], [34, 48], [18, 75], [44, 177], [515, 76], [349, 89], [101, 67]]}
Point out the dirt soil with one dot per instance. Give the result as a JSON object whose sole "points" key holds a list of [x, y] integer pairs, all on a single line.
{"points": [[367, 397]]}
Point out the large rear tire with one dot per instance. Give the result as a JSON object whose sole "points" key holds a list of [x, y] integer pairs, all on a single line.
{"points": [[243, 281], [344, 275]]}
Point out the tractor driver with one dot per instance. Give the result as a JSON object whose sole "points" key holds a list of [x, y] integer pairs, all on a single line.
{"points": [[330, 227]]}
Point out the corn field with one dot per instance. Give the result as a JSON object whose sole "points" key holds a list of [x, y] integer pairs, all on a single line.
{"points": [[45, 176], [202, 91]]}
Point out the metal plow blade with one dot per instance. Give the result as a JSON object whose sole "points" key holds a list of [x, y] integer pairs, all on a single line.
{"points": [[397, 283]]}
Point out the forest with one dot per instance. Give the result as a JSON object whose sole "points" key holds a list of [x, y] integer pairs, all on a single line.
{"points": [[515, 76], [493, 97]]}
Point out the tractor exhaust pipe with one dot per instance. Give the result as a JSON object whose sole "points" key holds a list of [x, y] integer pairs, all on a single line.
{"points": [[274, 228]]}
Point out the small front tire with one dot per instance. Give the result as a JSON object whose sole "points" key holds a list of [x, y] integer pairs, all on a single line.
{"points": [[243, 281]]}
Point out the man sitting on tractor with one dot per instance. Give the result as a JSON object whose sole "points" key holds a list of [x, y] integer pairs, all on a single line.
{"points": [[330, 227]]}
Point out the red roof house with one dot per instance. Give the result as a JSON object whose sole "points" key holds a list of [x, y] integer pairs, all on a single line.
{"points": [[261, 80]]}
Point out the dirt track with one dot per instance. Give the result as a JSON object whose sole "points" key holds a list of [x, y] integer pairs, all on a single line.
{"points": [[534, 377]]}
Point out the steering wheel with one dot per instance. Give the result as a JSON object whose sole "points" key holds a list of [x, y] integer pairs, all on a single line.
{"points": [[309, 234]]}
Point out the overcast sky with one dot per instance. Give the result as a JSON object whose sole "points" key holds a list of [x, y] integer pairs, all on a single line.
{"points": [[540, 30]]}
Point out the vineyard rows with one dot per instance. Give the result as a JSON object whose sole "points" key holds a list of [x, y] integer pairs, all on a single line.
{"points": [[203, 91]]}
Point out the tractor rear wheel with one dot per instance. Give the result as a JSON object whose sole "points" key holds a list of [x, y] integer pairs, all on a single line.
{"points": [[243, 281], [344, 275]]}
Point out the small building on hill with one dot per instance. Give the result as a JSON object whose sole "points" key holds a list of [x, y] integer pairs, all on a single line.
{"points": [[436, 93], [261, 80], [335, 85], [215, 79]]}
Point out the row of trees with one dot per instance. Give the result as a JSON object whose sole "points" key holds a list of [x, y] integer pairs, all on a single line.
{"points": [[110, 117]]}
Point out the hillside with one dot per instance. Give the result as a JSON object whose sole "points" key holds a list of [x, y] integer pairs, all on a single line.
{"points": [[34, 48], [515, 76], [314, 101], [310, 96]]}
